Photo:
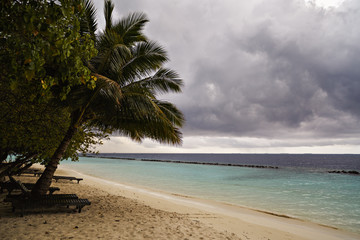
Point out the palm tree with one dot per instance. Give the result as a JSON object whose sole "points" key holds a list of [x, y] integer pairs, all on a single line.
{"points": [[129, 76]]}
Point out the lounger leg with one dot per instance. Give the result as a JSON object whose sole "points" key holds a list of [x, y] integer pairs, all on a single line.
{"points": [[80, 207], [9, 191]]}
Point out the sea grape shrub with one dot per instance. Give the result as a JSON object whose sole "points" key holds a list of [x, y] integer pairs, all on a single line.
{"points": [[41, 47], [42, 57]]}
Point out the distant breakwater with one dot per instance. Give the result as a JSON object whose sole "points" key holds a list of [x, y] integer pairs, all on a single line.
{"points": [[214, 164], [191, 162]]}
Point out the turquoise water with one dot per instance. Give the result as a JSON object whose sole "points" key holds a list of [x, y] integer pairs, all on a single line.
{"points": [[309, 194]]}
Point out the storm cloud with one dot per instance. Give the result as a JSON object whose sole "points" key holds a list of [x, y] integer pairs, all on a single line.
{"points": [[274, 69]]}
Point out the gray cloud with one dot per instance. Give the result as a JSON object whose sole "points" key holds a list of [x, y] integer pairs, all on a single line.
{"points": [[274, 69]]}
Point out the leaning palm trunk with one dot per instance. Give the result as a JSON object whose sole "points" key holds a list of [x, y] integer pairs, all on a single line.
{"points": [[44, 182]]}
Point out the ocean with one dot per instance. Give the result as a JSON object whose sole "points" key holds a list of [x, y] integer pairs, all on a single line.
{"points": [[302, 186]]}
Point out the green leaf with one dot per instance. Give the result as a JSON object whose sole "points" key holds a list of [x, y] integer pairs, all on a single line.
{"points": [[29, 74]]}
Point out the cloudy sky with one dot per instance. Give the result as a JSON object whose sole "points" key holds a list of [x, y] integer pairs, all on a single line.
{"points": [[261, 76]]}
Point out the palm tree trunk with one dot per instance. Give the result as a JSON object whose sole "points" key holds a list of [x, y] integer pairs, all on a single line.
{"points": [[44, 182]]}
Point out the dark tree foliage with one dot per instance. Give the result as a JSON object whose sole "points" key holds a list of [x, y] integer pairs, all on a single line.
{"points": [[42, 55]]}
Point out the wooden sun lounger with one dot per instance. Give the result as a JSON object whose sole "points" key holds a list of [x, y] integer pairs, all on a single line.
{"points": [[10, 186], [67, 178], [26, 193], [25, 204], [36, 172], [21, 197], [25, 201], [13, 198], [51, 189]]}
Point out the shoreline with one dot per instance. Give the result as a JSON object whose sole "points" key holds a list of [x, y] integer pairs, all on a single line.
{"points": [[227, 217]]}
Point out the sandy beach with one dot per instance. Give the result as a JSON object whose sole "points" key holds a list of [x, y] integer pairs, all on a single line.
{"points": [[123, 211]]}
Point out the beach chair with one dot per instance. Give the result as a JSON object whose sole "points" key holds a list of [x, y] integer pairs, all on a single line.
{"points": [[26, 193], [10, 186], [36, 172], [13, 198], [26, 202], [51, 189], [56, 178]]}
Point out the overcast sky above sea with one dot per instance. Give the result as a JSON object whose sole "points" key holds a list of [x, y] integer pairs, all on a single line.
{"points": [[261, 76]]}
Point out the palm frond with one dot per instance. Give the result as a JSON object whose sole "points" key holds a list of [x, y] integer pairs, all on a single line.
{"points": [[108, 87], [88, 24], [163, 81], [140, 118], [112, 52], [171, 112], [147, 57], [78, 97], [130, 28], [157, 132], [106, 96], [108, 9], [107, 93]]}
